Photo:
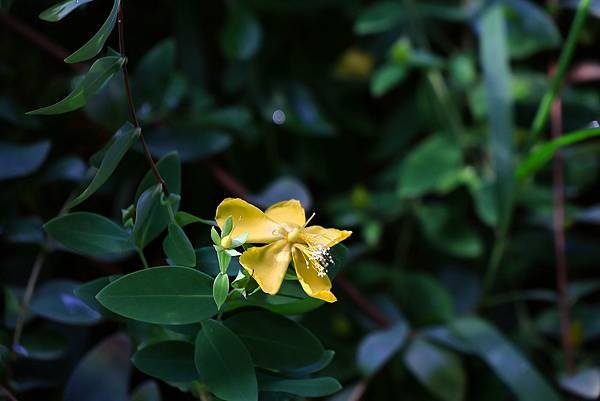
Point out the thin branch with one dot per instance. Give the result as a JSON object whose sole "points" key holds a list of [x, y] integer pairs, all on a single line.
{"points": [[226, 180], [132, 110], [39, 39], [559, 240], [359, 391], [361, 302], [8, 394], [33, 278], [31, 282]]}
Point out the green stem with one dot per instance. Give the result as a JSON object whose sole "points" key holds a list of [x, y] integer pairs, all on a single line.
{"points": [[494, 262], [143, 258], [566, 55]]}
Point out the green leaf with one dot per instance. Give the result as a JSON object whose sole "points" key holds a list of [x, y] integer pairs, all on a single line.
{"points": [[276, 342], [430, 167], [153, 72], [43, 345], [497, 76], [167, 360], [161, 295], [89, 234], [147, 391], [448, 231], [378, 347], [120, 144], [169, 167], [227, 227], [61, 10], [242, 35], [501, 356], [531, 29], [96, 43], [191, 143], [440, 371], [380, 17], [55, 300], [220, 356], [207, 262], [290, 300], [87, 293], [99, 74], [313, 387], [21, 160], [424, 299], [220, 289], [178, 247], [541, 154], [183, 219], [585, 383], [148, 217], [386, 78], [103, 373], [156, 217]]}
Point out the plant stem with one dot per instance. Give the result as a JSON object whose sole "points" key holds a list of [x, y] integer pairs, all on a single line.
{"points": [[39, 39], [563, 63], [31, 282], [494, 262], [143, 258], [33, 278], [132, 110], [7, 394], [559, 241]]}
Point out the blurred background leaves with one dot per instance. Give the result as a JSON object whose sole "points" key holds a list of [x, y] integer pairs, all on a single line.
{"points": [[405, 122]]}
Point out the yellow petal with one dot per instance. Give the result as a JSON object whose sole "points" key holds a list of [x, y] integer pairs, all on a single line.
{"points": [[313, 285], [247, 218], [327, 237], [268, 264], [287, 212]]}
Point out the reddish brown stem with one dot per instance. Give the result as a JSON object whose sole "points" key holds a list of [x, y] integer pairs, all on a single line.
{"points": [[227, 181], [359, 391], [559, 241], [132, 110], [38, 39], [7, 394], [361, 302]]}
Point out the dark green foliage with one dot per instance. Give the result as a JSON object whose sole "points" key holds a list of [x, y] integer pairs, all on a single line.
{"points": [[422, 126]]}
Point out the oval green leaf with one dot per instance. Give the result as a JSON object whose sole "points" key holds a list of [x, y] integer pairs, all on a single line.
{"points": [[276, 342], [167, 360], [440, 371], [99, 74], [161, 295], [55, 301], [224, 363], [89, 234], [96, 43], [61, 10], [21, 160], [103, 373], [178, 247], [123, 139], [313, 387], [511, 367], [378, 347]]}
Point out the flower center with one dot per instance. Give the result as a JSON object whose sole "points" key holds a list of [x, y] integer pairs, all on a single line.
{"points": [[293, 235], [319, 258]]}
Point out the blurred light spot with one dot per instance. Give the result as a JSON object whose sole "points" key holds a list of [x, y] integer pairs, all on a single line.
{"points": [[594, 124], [278, 117]]}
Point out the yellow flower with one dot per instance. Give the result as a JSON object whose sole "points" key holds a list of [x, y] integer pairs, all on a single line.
{"points": [[283, 228]]}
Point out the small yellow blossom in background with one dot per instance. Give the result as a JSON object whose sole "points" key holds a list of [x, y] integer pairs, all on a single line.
{"points": [[283, 228], [354, 64]]}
